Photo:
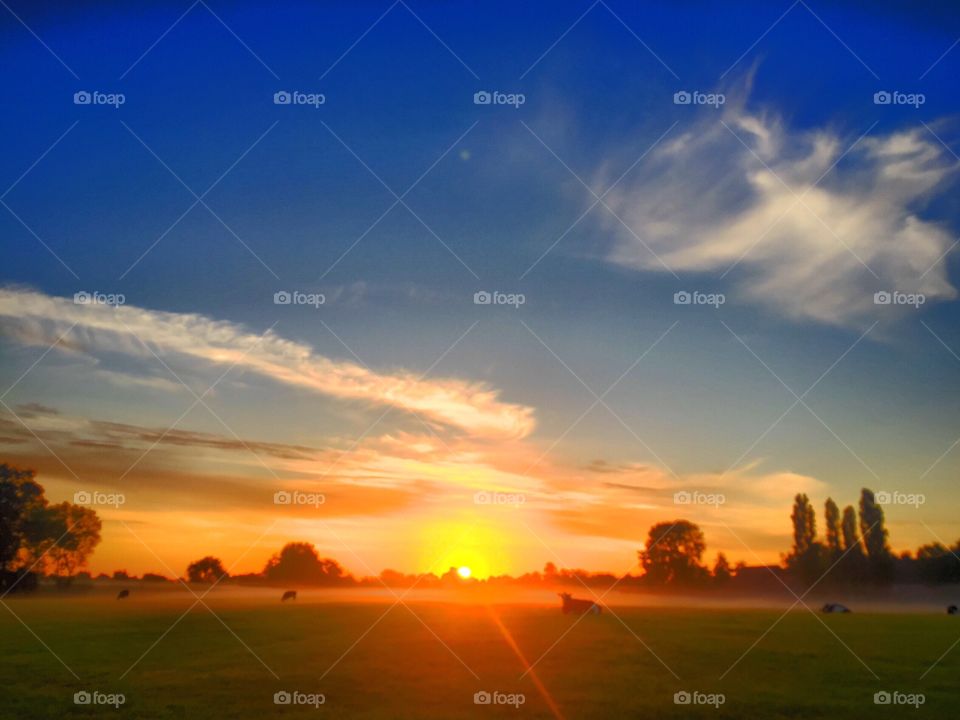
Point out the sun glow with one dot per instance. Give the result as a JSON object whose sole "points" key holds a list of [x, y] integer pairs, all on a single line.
{"points": [[463, 571]]}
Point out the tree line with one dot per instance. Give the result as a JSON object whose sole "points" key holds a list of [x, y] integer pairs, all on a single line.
{"points": [[39, 538]]}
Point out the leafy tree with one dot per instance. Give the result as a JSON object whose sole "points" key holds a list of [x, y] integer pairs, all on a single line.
{"points": [[833, 530], [20, 495], [33, 533], [207, 570], [848, 526], [673, 553], [807, 557], [299, 562], [721, 569], [874, 535], [804, 525], [75, 532]]}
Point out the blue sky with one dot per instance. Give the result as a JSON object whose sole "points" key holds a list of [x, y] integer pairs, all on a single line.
{"points": [[706, 201]]}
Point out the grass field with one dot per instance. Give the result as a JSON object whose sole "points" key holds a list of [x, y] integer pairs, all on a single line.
{"points": [[423, 665]]}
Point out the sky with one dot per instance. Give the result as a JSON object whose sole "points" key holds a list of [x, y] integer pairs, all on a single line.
{"points": [[415, 426]]}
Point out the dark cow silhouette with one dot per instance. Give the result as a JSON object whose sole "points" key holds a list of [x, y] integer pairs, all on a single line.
{"points": [[123, 594], [952, 610], [578, 606], [289, 595], [835, 608]]}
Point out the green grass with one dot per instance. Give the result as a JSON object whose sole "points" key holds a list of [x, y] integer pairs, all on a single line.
{"points": [[400, 669]]}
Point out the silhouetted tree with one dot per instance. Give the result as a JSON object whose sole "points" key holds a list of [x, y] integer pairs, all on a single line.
{"points": [[874, 534], [848, 526], [936, 563], [806, 560], [298, 562], [831, 516], [804, 525], [207, 570], [852, 568], [721, 569], [673, 552], [34, 534], [73, 533], [20, 494]]}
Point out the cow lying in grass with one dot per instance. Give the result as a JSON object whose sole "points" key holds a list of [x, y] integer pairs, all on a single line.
{"points": [[289, 595], [578, 606], [123, 594], [952, 610], [835, 608]]}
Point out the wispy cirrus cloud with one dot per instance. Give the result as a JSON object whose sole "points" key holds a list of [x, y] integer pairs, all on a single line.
{"points": [[814, 222], [472, 407]]}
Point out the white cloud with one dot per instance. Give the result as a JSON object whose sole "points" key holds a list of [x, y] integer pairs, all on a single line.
{"points": [[470, 406], [705, 200]]}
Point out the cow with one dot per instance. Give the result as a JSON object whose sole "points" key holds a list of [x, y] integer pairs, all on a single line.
{"points": [[289, 595], [952, 610], [578, 606], [835, 608], [123, 594]]}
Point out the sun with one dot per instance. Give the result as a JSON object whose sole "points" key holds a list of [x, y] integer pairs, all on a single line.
{"points": [[463, 571]]}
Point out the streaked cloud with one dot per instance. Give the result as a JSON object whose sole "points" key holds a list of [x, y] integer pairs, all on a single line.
{"points": [[473, 407]]}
